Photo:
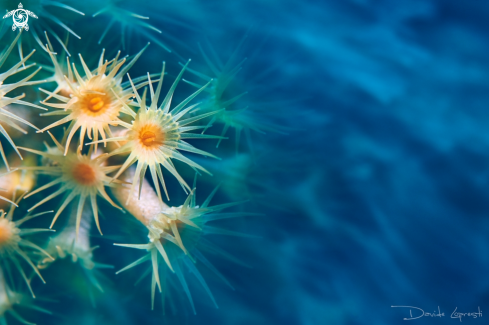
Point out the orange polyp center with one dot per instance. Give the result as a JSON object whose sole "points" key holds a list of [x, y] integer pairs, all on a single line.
{"points": [[148, 137], [151, 136], [97, 103], [5, 233], [84, 174]]}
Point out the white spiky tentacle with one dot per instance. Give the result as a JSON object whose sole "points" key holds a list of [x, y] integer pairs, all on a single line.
{"points": [[96, 100], [80, 177], [156, 136], [176, 235], [63, 245], [9, 299], [7, 117], [13, 245]]}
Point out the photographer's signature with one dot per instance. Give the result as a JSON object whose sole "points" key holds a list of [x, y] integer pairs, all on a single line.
{"points": [[416, 313]]}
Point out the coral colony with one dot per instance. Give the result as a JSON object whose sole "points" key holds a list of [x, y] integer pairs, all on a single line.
{"points": [[78, 139]]}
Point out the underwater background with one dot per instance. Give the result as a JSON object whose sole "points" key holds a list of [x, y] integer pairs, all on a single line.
{"points": [[368, 189]]}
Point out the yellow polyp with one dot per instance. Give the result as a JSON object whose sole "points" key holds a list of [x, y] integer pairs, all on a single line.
{"points": [[97, 104]]}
